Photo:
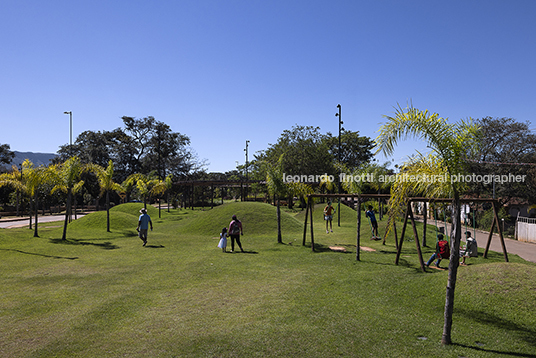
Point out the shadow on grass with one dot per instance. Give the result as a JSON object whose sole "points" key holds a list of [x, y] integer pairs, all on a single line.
{"points": [[248, 252], [155, 246], [105, 245], [527, 334], [324, 248], [130, 233], [481, 349], [43, 255], [244, 252]]}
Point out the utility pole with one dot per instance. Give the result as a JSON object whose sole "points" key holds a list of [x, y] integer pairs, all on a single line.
{"points": [[339, 158], [246, 150], [70, 113]]}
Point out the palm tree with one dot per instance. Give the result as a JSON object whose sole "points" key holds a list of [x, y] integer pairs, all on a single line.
{"points": [[276, 188], [449, 143], [147, 185], [31, 182], [107, 184], [279, 188], [67, 179]]}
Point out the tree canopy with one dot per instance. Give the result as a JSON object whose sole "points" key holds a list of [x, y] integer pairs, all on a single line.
{"points": [[309, 152], [142, 146], [6, 155], [506, 147]]}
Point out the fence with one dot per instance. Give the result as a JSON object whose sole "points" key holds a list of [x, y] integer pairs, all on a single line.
{"points": [[526, 229]]}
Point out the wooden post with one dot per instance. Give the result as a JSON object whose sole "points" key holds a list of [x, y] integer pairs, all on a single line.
{"points": [[416, 238], [312, 232], [358, 245], [305, 224], [489, 238], [389, 220], [212, 196], [500, 231], [399, 250]]}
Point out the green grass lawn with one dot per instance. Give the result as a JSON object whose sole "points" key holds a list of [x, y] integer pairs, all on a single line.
{"points": [[102, 294]]}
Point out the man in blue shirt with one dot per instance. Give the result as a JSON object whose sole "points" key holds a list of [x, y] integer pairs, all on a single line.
{"points": [[143, 225]]}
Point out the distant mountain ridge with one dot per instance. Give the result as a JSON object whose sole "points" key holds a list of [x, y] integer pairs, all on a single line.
{"points": [[36, 158]]}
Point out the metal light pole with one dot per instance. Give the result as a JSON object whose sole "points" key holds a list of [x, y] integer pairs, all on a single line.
{"points": [[70, 113], [339, 155], [246, 150]]}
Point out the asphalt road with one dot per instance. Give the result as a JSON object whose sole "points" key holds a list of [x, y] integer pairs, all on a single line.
{"points": [[525, 250], [14, 223]]}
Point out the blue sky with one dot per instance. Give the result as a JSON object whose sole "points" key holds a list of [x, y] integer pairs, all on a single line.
{"points": [[223, 72]]}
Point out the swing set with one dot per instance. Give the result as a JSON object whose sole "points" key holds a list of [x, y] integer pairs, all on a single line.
{"points": [[409, 215], [361, 198]]}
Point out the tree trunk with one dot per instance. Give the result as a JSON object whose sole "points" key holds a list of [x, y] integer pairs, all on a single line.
{"points": [[30, 212], [107, 211], [36, 215], [168, 202], [455, 238], [279, 238], [64, 236]]}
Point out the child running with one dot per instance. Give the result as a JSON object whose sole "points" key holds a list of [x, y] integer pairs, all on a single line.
{"points": [[223, 240]]}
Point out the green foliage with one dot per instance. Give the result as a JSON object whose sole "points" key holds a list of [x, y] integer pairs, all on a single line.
{"points": [[485, 219], [505, 140]]}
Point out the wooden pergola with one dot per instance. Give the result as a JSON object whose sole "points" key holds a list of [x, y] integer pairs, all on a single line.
{"points": [[191, 184]]}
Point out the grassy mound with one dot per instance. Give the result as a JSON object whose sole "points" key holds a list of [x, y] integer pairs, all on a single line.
{"points": [[348, 215], [124, 216], [97, 221], [256, 218], [134, 209]]}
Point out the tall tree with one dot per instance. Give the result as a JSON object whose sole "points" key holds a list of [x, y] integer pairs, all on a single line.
{"points": [[107, 184], [32, 181], [147, 185], [67, 180], [450, 144], [507, 147], [356, 150], [6, 155], [276, 188], [305, 150]]}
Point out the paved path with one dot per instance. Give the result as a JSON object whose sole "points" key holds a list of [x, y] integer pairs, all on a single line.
{"points": [[525, 250], [25, 221]]}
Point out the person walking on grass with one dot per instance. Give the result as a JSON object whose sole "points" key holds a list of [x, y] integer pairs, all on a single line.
{"points": [[223, 240], [235, 230], [143, 225], [328, 216]]}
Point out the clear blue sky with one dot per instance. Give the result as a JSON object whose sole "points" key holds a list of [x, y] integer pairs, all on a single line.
{"points": [[223, 72]]}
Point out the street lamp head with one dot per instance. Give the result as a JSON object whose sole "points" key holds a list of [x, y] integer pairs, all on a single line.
{"points": [[338, 106], [336, 114], [69, 112]]}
